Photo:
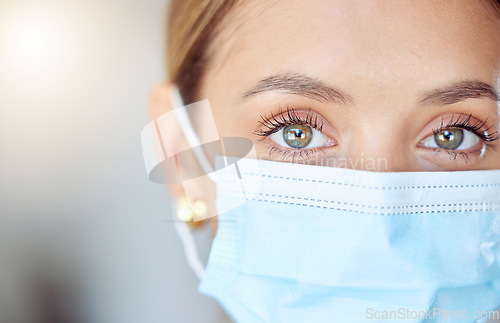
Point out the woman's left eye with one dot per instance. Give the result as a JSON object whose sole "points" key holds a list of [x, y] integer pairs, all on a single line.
{"points": [[452, 139], [299, 136]]}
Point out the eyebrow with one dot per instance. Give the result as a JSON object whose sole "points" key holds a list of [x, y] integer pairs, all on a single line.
{"points": [[299, 84], [458, 92]]}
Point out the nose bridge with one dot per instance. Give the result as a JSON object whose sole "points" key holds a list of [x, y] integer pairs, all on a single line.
{"points": [[380, 148]]}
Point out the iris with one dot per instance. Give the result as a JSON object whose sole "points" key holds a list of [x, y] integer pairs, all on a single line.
{"points": [[449, 138], [297, 136]]}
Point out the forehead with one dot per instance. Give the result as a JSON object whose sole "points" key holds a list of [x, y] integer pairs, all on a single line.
{"points": [[353, 41]]}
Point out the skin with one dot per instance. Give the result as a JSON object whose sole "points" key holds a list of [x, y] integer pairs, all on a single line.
{"points": [[384, 56]]}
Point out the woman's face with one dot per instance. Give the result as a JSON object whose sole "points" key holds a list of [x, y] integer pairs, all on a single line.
{"points": [[376, 85]]}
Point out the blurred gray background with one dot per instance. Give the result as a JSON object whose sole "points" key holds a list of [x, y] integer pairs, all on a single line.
{"points": [[84, 236]]}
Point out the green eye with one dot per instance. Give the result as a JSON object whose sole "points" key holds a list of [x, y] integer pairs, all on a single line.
{"points": [[297, 136], [300, 136], [449, 138], [452, 139]]}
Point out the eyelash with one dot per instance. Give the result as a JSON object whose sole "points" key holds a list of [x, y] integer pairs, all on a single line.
{"points": [[289, 116], [464, 122], [284, 118]]}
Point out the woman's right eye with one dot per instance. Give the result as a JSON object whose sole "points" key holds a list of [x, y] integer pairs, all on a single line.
{"points": [[293, 130], [300, 136]]}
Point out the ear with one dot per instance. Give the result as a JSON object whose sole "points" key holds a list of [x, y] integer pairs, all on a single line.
{"points": [[160, 104], [201, 188]]}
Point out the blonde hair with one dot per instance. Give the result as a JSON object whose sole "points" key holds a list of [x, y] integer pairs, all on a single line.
{"points": [[191, 28]]}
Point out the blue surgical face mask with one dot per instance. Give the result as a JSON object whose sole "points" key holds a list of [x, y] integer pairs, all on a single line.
{"points": [[319, 244], [302, 243]]}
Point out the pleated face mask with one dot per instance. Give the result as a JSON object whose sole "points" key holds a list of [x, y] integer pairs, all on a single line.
{"points": [[303, 243], [320, 244]]}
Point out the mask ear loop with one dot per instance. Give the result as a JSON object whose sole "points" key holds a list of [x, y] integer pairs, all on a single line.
{"points": [[189, 245], [181, 227], [188, 131]]}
